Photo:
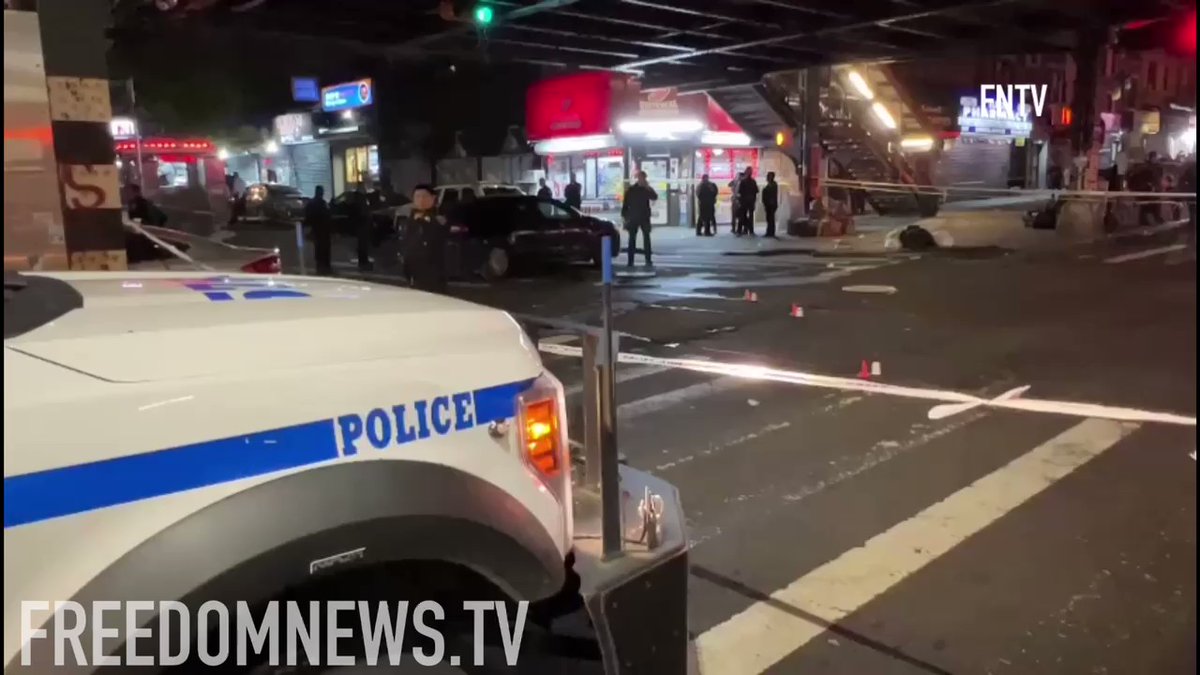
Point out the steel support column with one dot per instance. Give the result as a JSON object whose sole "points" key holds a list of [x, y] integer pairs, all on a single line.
{"points": [[75, 54], [812, 80], [1089, 59]]}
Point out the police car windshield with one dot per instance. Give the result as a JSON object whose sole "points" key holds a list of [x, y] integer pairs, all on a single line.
{"points": [[33, 301]]}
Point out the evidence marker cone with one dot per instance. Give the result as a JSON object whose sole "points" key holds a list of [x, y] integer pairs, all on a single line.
{"points": [[876, 369], [864, 371], [797, 311], [750, 296]]}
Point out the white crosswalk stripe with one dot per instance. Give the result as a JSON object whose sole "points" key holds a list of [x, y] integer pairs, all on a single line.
{"points": [[752, 640]]}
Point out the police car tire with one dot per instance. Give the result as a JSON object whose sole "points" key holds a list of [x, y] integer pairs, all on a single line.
{"points": [[496, 265]]}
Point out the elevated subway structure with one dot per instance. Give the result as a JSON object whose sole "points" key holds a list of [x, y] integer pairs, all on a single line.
{"points": [[766, 62]]}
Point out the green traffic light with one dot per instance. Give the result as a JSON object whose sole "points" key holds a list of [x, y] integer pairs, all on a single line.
{"points": [[484, 14]]}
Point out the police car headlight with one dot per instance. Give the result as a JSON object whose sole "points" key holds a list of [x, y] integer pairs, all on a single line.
{"points": [[542, 434]]}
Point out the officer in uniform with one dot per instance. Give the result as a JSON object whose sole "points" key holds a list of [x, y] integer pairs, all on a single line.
{"points": [[635, 210], [573, 194], [425, 243], [747, 192], [317, 222], [706, 199], [770, 202]]}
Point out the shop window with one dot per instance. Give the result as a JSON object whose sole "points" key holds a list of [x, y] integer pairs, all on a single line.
{"points": [[362, 164], [610, 177], [172, 174], [557, 174], [589, 178]]}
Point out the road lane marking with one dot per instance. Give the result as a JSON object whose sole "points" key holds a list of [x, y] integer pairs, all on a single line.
{"points": [[945, 410], [623, 375], [668, 399], [560, 339], [745, 438], [757, 638], [1145, 254]]}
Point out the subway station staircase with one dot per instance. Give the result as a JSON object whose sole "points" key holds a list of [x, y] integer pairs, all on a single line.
{"points": [[856, 142]]}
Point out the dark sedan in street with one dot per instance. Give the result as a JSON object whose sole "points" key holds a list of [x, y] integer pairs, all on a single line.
{"points": [[496, 235], [269, 202], [381, 209], [492, 236]]}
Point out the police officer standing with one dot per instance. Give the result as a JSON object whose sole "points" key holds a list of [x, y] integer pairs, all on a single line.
{"points": [[573, 194], [425, 243], [706, 199], [360, 224], [316, 221], [747, 195], [735, 207], [635, 210], [544, 190], [770, 202]]}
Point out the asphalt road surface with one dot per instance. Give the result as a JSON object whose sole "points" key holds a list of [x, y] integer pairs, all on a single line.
{"points": [[841, 532]]}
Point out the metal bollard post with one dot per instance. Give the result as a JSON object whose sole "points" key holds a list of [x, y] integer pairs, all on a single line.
{"points": [[591, 409], [610, 487], [300, 247]]}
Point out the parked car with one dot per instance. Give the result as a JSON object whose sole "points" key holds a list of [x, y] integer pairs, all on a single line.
{"points": [[493, 235], [382, 209], [275, 203], [449, 196], [150, 248]]}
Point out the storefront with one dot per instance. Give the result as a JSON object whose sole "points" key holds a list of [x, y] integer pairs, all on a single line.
{"points": [[183, 177], [601, 128], [993, 149], [335, 148]]}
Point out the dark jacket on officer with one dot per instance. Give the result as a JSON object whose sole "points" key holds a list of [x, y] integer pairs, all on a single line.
{"points": [[424, 250], [636, 208], [747, 191], [706, 194], [770, 195]]}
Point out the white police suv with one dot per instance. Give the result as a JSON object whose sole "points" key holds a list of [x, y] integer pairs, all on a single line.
{"points": [[183, 437]]}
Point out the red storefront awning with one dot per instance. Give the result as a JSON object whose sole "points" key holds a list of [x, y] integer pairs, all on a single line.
{"points": [[595, 104], [573, 105]]}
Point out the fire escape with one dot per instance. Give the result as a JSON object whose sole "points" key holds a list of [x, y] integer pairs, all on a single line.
{"points": [[869, 129]]}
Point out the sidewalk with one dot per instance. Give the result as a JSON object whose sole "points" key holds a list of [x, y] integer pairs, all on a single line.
{"points": [[875, 235], [870, 238]]}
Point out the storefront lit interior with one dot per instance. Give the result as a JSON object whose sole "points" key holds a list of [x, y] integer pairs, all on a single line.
{"points": [[603, 130]]}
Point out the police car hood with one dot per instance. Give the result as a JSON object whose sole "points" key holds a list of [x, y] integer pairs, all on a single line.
{"points": [[140, 327]]}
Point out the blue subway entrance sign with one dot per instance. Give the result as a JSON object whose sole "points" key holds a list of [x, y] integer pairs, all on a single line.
{"points": [[347, 95], [305, 90]]}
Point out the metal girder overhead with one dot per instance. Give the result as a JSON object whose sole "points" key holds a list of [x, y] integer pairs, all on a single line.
{"points": [[686, 41]]}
